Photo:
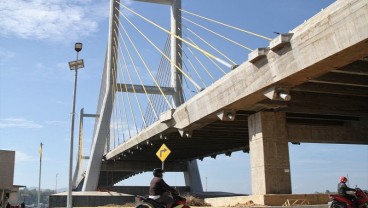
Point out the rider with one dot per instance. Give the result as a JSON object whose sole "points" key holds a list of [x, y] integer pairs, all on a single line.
{"points": [[159, 190], [342, 188]]}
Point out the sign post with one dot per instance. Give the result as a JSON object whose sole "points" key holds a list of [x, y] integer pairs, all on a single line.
{"points": [[163, 153]]}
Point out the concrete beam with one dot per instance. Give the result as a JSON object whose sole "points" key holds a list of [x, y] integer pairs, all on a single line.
{"points": [[155, 129], [138, 166], [167, 2], [313, 103], [328, 134], [143, 89]]}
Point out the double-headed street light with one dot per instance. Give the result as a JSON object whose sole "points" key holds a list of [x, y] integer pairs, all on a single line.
{"points": [[73, 65]]}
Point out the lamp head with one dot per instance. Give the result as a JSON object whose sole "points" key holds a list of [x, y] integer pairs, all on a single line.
{"points": [[74, 65], [78, 47]]}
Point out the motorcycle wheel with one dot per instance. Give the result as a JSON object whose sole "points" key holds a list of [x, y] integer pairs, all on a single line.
{"points": [[145, 205], [336, 204]]}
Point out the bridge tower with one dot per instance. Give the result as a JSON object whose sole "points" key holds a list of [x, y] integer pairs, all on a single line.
{"points": [[191, 175], [105, 106]]}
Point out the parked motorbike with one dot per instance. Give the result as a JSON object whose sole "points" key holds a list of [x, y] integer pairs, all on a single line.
{"points": [[339, 201], [146, 202]]}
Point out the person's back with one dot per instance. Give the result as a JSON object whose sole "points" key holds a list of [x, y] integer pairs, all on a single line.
{"points": [[342, 189], [158, 186], [159, 190]]}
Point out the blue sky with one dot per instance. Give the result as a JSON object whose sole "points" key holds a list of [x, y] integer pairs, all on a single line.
{"points": [[37, 41]]}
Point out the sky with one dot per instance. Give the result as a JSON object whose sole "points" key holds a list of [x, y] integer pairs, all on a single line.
{"points": [[37, 40]]}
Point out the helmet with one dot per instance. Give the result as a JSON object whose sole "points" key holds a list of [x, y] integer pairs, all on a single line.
{"points": [[157, 172], [343, 179]]}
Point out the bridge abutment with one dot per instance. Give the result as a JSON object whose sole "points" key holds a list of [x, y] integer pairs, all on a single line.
{"points": [[269, 153]]}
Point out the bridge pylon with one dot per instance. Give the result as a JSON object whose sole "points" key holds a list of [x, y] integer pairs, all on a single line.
{"points": [[101, 134], [191, 175]]}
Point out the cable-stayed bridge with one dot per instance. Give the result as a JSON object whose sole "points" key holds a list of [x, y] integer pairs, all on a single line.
{"points": [[307, 85]]}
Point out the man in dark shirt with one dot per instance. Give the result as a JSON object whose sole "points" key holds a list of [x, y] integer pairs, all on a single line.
{"points": [[159, 190], [342, 188]]}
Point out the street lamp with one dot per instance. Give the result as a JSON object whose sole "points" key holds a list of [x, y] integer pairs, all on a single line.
{"points": [[73, 65]]}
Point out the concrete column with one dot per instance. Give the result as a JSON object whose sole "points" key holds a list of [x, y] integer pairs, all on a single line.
{"points": [[176, 75], [192, 177], [269, 153]]}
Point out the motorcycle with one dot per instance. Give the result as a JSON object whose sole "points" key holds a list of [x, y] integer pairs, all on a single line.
{"points": [[339, 201], [146, 202]]}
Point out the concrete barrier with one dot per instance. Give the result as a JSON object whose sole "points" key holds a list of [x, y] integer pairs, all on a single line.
{"points": [[90, 199]]}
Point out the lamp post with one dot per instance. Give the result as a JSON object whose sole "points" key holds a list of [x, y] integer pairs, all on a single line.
{"points": [[73, 65]]}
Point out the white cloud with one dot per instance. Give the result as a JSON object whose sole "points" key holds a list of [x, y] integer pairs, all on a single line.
{"points": [[18, 123], [56, 123], [50, 19]]}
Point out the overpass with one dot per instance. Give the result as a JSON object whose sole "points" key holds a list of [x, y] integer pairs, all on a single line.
{"points": [[307, 86]]}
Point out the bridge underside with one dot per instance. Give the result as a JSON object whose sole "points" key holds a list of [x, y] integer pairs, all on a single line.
{"points": [[324, 69], [331, 108]]}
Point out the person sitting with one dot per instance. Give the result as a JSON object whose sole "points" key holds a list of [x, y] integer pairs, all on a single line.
{"points": [[342, 189], [159, 190]]}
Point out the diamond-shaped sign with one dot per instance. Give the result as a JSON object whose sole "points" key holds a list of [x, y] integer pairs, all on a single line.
{"points": [[163, 152]]}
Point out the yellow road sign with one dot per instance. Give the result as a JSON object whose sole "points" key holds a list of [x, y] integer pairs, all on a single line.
{"points": [[163, 152]]}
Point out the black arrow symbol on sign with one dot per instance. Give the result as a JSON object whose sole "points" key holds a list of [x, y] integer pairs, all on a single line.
{"points": [[162, 151]]}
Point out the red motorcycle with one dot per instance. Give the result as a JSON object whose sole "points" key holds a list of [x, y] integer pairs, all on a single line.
{"points": [[339, 201], [146, 202]]}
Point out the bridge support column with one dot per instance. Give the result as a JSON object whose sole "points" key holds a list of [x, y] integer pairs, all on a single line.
{"points": [[193, 178], [269, 153]]}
